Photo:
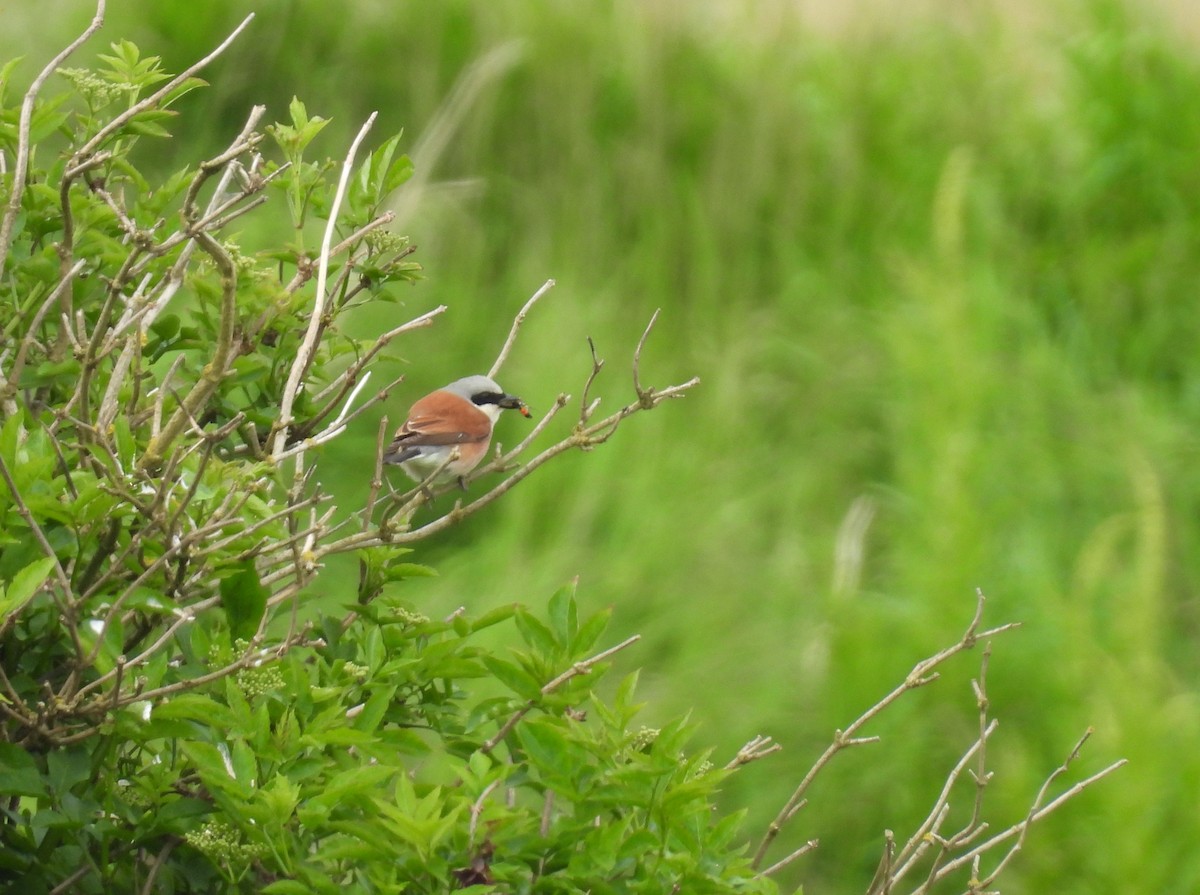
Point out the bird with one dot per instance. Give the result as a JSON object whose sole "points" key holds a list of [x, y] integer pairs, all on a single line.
{"points": [[455, 418]]}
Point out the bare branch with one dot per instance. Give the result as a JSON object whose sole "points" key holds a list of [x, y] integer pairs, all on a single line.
{"points": [[24, 125], [637, 358], [923, 673], [759, 747], [584, 437], [1018, 830], [516, 325], [788, 859], [10, 383], [305, 352]]}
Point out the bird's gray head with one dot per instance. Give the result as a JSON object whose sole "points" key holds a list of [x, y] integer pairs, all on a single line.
{"points": [[471, 387], [487, 395]]}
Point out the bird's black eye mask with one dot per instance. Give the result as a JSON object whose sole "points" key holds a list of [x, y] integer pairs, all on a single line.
{"points": [[501, 400], [481, 398]]}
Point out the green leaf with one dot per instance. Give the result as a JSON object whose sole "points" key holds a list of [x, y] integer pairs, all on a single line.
{"points": [[589, 632], [564, 614], [372, 713], [545, 744], [244, 599], [19, 774], [514, 677], [401, 570], [494, 617], [176, 815], [286, 887], [25, 584], [67, 767], [535, 634], [281, 796]]}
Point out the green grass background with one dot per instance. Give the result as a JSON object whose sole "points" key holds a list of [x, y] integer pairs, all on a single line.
{"points": [[941, 266]]}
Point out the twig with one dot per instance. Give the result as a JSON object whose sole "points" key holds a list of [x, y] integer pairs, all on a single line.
{"points": [[1019, 829], [923, 673], [516, 325], [337, 427], [377, 478], [10, 383], [24, 125], [798, 853], [477, 810], [759, 747], [587, 407], [215, 370], [305, 352], [157, 864], [643, 395], [925, 834]]}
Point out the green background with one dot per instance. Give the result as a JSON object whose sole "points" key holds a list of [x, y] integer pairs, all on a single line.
{"points": [[936, 269]]}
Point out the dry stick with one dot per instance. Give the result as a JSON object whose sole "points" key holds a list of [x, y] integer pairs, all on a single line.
{"points": [[575, 670], [68, 883], [798, 853], [883, 873], [380, 343], [477, 810], [377, 478], [335, 428], [1036, 813], [504, 460], [516, 325], [345, 380], [929, 832], [157, 864], [24, 126], [759, 747], [586, 407], [215, 370], [921, 675], [1019, 829], [308, 345], [637, 359], [925, 834]]}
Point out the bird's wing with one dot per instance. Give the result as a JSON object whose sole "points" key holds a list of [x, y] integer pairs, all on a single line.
{"points": [[440, 419]]}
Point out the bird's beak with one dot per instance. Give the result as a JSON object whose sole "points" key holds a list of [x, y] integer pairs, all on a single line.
{"points": [[512, 402]]}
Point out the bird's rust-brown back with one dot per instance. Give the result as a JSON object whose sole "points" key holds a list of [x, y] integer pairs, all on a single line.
{"points": [[443, 418]]}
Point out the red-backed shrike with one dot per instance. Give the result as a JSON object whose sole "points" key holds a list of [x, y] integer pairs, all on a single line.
{"points": [[457, 417]]}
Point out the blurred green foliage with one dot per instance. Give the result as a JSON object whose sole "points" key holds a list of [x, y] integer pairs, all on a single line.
{"points": [[945, 268]]}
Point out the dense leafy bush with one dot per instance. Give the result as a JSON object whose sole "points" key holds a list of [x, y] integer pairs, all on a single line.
{"points": [[173, 719]]}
